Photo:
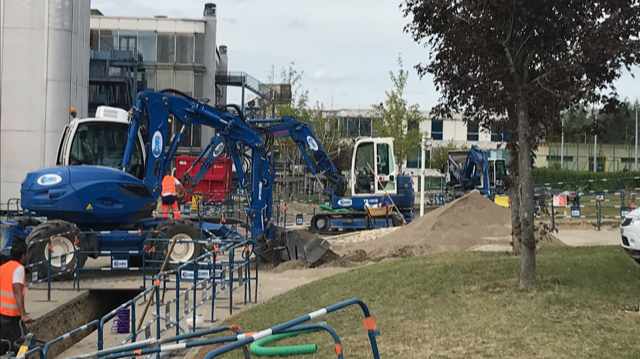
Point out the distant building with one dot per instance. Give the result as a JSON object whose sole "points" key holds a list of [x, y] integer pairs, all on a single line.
{"points": [[133, 54], [354, 123], [44, 69]]}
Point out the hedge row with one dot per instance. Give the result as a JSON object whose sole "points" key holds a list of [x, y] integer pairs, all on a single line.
{"points": [[548, 175]]}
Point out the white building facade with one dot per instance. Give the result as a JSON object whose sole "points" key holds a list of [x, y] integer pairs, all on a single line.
{"points": [[44, 71], [175, 53]]}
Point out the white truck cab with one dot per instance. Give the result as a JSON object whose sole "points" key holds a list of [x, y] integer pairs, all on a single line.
{"points": [[100, 141]]}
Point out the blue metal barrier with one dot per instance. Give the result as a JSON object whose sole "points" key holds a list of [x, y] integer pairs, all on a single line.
{"points": [[67, 335], [133, 347], [244, 339]]}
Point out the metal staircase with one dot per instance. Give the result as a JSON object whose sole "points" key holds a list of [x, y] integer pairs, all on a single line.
{"points": [[113, 78]]}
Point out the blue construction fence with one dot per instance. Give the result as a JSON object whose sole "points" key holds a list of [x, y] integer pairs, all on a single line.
{"points": [[596, 199], [196, 283], [193, 339]]}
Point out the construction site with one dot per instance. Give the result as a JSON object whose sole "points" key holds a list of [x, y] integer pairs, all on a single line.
{"points": [[156, 219]]}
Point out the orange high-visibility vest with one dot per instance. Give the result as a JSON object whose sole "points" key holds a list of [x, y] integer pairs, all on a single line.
{"points": [[8, 303], [169, 185]]}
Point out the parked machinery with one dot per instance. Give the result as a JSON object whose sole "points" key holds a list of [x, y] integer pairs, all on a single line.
{"points": [[107, 208]]}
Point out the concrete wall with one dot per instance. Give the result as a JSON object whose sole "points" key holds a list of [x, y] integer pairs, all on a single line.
{"points": [[45, 65]]}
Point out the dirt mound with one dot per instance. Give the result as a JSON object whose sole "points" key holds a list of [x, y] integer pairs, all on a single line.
{"points": [[545, 237], [466, 222]]}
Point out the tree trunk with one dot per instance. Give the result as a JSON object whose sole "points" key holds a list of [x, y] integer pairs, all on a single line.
{"points": [[515, 214], [525, 181]]}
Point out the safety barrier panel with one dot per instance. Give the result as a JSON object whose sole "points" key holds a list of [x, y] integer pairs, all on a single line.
{"points": [[136, 348], [241, 340], [47, 346], [216, 277], [207, 272], [369, 324], [34, 267], [606, 198]]}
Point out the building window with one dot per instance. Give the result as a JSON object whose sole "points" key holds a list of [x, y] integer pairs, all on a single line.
{"points": [[501, 137], [147, 45], [166, 48], [128, 40], [146, 79], [164, 79], [108, 39], [184, 48], [436, 129], [199, 51], [198, 86], [554, 158], [184, 82], [411, 124], [473, 131], [94, 40]]}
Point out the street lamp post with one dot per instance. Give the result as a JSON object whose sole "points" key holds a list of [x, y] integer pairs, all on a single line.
{"points": [[595, 146], [423, 149], [636, 167], [562, 146]]}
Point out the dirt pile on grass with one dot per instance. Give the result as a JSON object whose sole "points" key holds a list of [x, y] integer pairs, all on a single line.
{"points": [[466, 222]]}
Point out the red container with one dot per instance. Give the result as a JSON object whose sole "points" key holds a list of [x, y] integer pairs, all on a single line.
{"points": [[215, 185]]}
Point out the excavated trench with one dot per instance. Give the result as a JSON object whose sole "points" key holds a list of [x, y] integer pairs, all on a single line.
{"points": [[88, 307]]}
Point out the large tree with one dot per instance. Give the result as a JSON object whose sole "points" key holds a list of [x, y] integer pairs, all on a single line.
{"points": [[522, 63], [397, 119]]}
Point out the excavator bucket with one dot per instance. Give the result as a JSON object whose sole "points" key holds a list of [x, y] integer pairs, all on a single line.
{"points": [[288, 245]]}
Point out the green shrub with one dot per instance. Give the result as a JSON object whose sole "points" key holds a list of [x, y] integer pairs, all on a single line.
{"points": [[549, 175]]}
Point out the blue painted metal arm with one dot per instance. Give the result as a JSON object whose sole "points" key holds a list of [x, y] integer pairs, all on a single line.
{"points": [[302, 134], [213, 152], [152, 110]]}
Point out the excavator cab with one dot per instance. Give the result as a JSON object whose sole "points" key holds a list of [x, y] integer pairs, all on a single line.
{"points": [[373, 158], [100, 141]]}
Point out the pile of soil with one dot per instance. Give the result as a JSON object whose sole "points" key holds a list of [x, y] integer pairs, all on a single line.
{"points": [[466, 222]]}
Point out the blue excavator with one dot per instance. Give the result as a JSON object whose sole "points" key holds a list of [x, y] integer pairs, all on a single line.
{"points": [[110, 207], [469, 170]]}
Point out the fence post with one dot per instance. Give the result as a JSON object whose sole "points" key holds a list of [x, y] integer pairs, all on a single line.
{"points": [[178, 299], [285, 215], [553, 216], [231, 255], [196, 272], [599, 211], [312, 217], [49, 271]]}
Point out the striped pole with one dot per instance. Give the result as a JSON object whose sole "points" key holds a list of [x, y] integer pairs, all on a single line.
{"points": [[244, 339], [233, 339], [67, 335]]}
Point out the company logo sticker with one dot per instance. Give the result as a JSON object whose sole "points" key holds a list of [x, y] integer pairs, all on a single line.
{"points": [[218, 149], [345, 202], [49, 179], [120, 263], [156, 144], [313, 145]]}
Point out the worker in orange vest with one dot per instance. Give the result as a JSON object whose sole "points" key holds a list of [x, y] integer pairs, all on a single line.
{"points": [[170, 189], [12, 289]]}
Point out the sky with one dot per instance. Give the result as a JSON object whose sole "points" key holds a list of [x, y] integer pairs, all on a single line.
{"points": [[345, 49]]}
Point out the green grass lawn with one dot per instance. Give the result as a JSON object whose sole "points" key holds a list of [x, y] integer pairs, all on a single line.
{"points": [[468, 305]]}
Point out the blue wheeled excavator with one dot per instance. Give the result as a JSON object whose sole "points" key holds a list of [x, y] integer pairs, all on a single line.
{"points": [[469, 170], [116, 204]]}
